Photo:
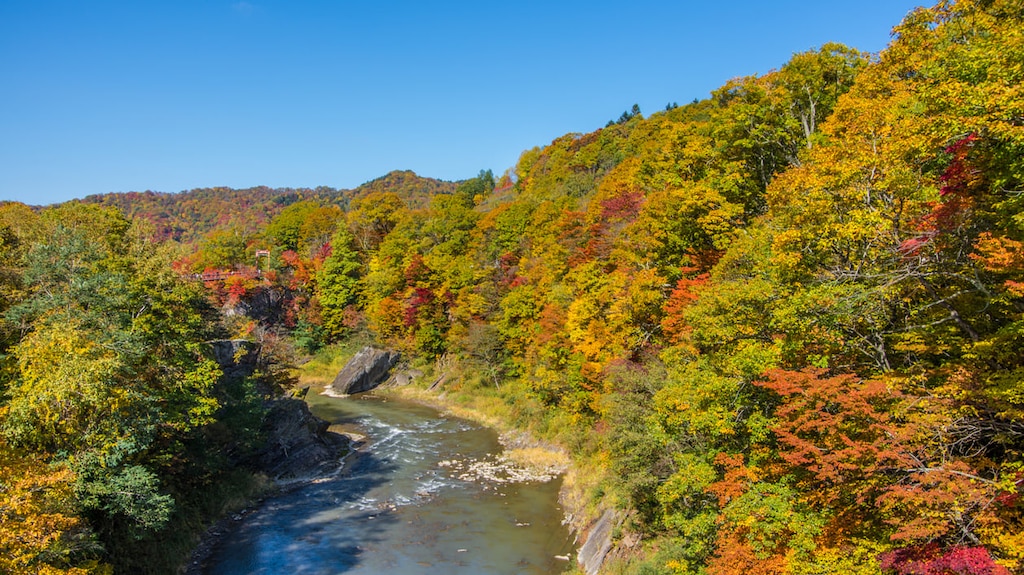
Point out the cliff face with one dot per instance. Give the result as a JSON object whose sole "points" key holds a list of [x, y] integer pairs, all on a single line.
{"points": [[297, 444], [237, 358], [597, 544]]}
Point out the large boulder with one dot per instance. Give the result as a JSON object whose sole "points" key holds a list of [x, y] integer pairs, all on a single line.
{"points": [[368, 369]]}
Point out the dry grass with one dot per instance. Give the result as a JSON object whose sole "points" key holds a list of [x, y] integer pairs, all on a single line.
{"points": [[539, 458], [322, 368], [443, 402]]}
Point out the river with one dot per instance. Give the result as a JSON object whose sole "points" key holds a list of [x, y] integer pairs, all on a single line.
{"points": [[407, 503]]}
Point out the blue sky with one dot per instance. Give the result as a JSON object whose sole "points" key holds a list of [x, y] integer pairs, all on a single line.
{"points": [[115, 96]]}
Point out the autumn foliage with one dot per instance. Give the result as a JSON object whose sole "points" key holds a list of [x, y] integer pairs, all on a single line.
{"points": [[781, 324]]}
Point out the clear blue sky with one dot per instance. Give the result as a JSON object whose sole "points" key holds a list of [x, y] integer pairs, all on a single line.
{"points": [[113, 96]]}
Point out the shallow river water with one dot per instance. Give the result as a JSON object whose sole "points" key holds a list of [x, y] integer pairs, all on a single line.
{"points": [[404, 505]]}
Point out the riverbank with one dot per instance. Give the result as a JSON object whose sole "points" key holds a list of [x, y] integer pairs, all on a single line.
{"points": [[522, 448], [586, 516], [455, 391], [299, 449], [212, 536], [426, 495]]}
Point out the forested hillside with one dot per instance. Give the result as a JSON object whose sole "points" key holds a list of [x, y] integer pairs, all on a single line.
{"points": [[188, 216], [119, 437], [780, 328]]}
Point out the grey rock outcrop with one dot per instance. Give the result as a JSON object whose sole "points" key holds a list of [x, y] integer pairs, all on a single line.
{"points": [[299, 444], [368, 369], [235, 357], [408, 376], [598, 543]]}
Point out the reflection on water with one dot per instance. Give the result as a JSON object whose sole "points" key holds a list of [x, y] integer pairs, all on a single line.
{"points": [[399, 510]]}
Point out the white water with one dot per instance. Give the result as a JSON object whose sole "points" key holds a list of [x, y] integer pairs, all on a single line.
{"points": [[406, 504]]}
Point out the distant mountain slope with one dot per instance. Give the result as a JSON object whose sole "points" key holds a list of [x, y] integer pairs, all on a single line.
{"points": [[414, 190], [188, 215]]}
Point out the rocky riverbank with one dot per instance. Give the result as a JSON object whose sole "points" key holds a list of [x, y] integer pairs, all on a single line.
{"points": [[300, 449], [520, 448], [527, 458], [524, 458], [299, 445]]}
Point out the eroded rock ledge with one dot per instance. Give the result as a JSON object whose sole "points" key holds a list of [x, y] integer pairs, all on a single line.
{"points": [[597, 543], [298, 444]]}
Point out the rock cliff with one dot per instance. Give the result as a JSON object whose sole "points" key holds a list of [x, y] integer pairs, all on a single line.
{"points": [[597, 544], [299, 444], [236, 357]]}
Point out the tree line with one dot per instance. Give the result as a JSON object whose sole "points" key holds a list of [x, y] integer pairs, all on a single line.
{"points": [[782, 324]]}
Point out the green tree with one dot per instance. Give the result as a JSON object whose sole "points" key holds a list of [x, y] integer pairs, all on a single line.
{"points": [[372, 218], [337, 283], [223, 249], [286, 227], [475, 189], [110, 374]]}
